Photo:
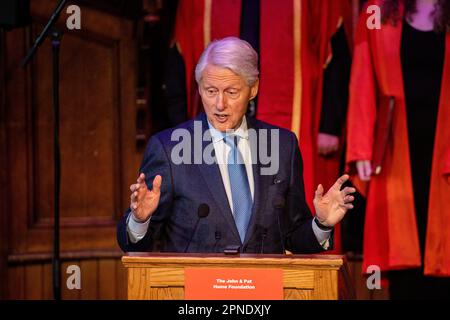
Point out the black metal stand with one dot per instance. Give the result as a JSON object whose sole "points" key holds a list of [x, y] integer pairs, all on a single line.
{"points": [[56, 41]]}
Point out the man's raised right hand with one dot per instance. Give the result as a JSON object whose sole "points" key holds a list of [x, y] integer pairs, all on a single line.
{"points": [[144, 201]]}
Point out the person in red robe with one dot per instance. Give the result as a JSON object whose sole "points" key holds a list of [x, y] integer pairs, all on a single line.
{"points": [[408, 202], [294, 42]]}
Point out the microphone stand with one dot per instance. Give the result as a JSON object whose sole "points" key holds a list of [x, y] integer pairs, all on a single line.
{"points": [[56, 41]]}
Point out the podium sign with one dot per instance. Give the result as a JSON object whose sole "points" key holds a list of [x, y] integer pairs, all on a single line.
{"points": [[233, 284]]}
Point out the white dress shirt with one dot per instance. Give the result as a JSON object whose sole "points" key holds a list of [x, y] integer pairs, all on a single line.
{"points": [[222, 150]]}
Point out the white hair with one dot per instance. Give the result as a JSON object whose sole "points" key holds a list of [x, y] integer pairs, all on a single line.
{"points": [[231, 53]]}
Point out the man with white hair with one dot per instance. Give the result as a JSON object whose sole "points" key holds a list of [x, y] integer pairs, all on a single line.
{"points": [[238, 199]]}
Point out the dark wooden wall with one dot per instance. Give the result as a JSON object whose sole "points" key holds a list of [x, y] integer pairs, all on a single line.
{"points": [[102, 277], [98, 153], [3, 177]]}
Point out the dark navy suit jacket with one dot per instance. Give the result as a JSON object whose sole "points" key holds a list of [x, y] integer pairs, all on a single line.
{"points": [[279, 213]]}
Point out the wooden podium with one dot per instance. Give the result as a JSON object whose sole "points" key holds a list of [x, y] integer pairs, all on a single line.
{"points": [[160, 276]]}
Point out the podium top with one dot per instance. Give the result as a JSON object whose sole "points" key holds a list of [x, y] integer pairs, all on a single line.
{"points": [[140, 259]]}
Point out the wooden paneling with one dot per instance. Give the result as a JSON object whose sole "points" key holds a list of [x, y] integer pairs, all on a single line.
{"points": [[102, 278], [99, 158], [89, 132], [67, 294], [47, 289], [298, 279], [3, 175], [325, 283], [33, 281], [106, 278], [107, 284], [16, 282], [89, 280], [121, 281], [359, 282], [295, 294]]}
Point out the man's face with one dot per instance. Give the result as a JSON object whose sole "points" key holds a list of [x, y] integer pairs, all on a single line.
{"points": [[225, 96]]}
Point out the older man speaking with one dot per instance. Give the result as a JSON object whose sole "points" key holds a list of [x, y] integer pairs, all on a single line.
{"points": [[184, 202]]}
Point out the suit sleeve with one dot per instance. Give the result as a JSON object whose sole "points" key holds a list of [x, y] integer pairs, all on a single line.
{"points": [[300, 237], [155, 162]]}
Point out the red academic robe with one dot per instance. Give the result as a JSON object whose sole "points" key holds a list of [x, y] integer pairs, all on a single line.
{"points": [[297, 49], [294, 48], [332, 14], [390, 233]]}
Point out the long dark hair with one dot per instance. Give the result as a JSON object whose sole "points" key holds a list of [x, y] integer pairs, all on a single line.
{"points": [[390, 12]]}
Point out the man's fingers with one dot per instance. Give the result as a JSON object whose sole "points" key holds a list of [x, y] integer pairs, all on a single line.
{"points": [[341, 180], [348, 199], [157, 184], [347, 191], [319, 192], [134, 201], [135, 196], [141, 179], [133, 205], [139, 189]]}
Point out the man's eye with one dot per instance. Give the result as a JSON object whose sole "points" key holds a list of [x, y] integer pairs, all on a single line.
{"points": [[233, 93], [211, 91]]}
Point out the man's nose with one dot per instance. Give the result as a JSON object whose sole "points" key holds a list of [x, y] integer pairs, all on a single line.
{"points": [[220, 102]]}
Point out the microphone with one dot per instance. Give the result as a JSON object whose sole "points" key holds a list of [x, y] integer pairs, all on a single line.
{"points": [[279, 203], [202, 212]]}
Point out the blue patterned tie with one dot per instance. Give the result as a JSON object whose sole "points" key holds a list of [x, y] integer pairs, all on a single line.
{"points": [[240, 188]]}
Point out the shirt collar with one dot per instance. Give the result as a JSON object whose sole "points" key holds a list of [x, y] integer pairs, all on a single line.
{"points": [[241, 131]]}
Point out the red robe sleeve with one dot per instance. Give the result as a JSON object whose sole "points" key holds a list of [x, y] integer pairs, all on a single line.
{"points": [[362, 100]]}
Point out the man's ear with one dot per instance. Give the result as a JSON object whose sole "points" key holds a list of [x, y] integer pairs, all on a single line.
{"points": [[254, 90]]}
